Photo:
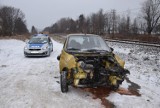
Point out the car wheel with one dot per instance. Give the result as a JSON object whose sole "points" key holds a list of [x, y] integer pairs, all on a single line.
{"points": [[49, 53], [25, 55], [115, 88], [63, 79], [52, 49]]}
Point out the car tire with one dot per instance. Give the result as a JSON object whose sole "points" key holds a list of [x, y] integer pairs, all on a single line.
{"points": [[25, 55], [49, 53], [115, 87], [52, 49], [63, 81]]}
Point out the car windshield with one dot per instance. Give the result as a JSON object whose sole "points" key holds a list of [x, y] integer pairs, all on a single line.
{"points": [[38, 40], [87, 43]]}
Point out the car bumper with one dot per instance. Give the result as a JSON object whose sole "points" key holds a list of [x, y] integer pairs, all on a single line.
{"points": [[36, 53]]}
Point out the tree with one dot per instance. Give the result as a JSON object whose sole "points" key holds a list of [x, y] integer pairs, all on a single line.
{"points": [[88, 25], [6, 14], [20, 27], [93, 23], [108, 23], [134, 27], [54, 28], [151, 14], [0, 26], [128, 24], [122, 25], [47, 29], [72, 26], [113, 21], [97, 22], [11, 18], [34, 30], [101, 21], [81, 23]]}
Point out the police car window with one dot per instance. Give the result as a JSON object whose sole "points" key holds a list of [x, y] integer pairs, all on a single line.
{"points": [[44, 40]]}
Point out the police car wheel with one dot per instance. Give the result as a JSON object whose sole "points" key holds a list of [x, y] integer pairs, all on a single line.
{"points": [[49, 53]]}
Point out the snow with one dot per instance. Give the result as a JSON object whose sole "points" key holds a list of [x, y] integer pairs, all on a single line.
{"points": [[143, 63], [34, 82]]}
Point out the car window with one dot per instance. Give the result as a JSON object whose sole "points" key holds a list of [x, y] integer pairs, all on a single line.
{"points": [[85, 42], [38, 40]]}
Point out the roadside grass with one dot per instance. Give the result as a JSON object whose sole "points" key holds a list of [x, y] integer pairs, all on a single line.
{"points": [[60, 38], [18, 37], [57, 38], [25, 37]]}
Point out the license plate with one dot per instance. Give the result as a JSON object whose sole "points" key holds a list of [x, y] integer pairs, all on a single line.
{"points": [[33, 52]]}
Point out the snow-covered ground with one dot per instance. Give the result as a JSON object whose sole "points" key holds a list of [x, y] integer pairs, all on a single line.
{"points": [[144, 65], [34, 82]]}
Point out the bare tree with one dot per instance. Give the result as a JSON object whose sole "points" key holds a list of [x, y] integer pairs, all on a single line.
{"points": [[54, 28], [72, 26], [88, 25], [64, 25], [0, 26], [93, 23], [81, 23], [34, 30], [151, 14], [108, 22], [20, 26], [10, 17], [128, 24], [134, 27], [112, 22], [7, 18], [47, 29], [122, 25], [101, 21]]}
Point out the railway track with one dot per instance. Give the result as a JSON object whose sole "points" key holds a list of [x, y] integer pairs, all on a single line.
{"points": [[134, 42], [124, 41]]}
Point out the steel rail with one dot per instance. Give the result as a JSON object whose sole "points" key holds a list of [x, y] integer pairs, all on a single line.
{"points": [[134, 42]]}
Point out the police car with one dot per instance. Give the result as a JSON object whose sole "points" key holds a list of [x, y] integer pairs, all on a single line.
{"points": [[38, 45]]}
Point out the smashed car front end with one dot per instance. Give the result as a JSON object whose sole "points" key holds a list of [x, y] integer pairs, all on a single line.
{"points": [[92, 70], [87, 61]]}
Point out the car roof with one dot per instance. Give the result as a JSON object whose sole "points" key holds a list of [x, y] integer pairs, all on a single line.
{"points": [[40, 35], [82, 35]]}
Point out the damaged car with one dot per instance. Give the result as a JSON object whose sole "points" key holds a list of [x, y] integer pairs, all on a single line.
{"points": [[87, 61]]}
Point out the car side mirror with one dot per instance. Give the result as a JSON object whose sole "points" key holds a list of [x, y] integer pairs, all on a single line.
{"points": [[58, 57], [111, 49]]}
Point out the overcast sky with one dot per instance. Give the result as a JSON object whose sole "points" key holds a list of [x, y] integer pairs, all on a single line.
{"points": [[43, 13]]}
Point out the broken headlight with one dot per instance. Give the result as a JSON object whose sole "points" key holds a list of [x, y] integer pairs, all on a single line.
{"points": [[81, 64]]}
